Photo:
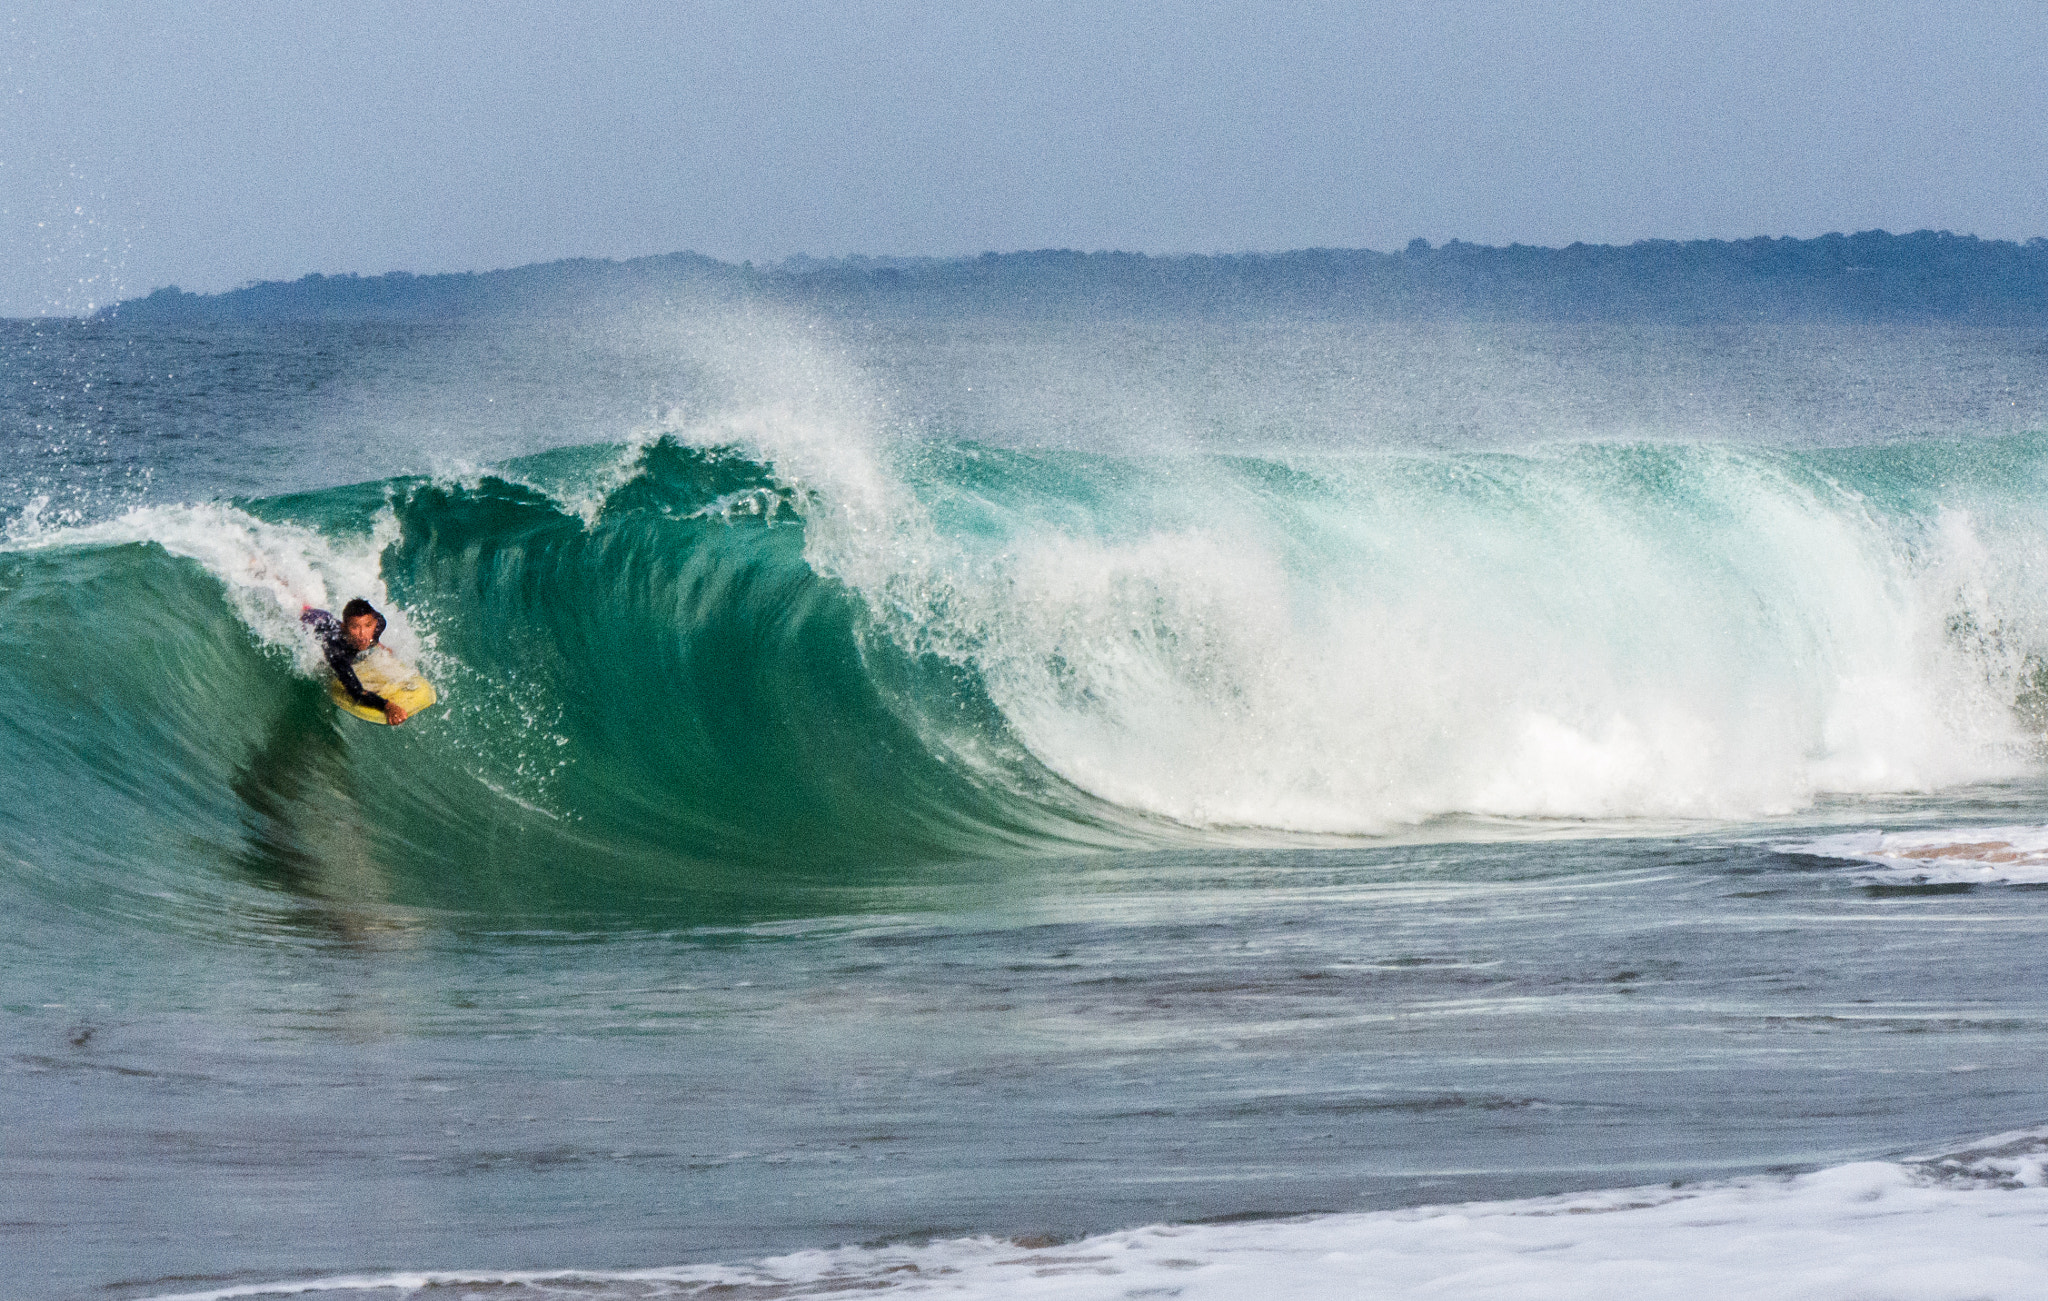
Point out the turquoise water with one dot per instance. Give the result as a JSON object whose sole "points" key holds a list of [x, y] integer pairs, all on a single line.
{"points": [[901, 779]]}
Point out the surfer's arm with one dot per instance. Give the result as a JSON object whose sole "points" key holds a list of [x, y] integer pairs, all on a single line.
{"points": [[328, 630], [338, 660]]}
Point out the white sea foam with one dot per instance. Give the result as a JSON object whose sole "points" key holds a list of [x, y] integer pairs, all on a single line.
{"points": [[1945, 856], [1566, 633], [1971, 1225], [1559, 654], [267, 570]]}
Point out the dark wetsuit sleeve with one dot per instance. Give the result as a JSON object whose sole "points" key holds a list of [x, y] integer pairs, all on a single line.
{"points": [[334, 642]]}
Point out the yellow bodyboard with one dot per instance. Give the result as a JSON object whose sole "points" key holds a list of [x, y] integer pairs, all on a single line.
{"points": [[390, 677]]}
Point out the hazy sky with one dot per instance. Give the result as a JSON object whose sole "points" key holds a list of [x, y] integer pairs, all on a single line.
{"points": [[209, 145]]}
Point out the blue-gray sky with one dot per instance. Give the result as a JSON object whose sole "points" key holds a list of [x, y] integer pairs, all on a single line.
{"points": [[209, 145]]}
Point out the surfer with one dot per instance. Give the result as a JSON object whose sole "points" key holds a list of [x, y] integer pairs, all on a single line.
{"points": [[346, 641]]}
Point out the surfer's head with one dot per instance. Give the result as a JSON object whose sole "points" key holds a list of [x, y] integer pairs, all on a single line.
{"points": [[361, 623]]}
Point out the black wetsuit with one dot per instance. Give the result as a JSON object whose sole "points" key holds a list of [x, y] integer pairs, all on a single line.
{"points": [[342, 657]]}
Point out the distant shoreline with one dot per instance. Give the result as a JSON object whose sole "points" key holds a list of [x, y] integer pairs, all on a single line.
{"points": [[1929, 275]]}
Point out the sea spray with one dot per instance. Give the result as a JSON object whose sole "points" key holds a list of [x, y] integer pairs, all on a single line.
{"points": [[1346, 644]]}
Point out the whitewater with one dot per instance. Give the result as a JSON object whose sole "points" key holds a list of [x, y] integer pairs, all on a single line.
{"points": [[1871, 1229], [1069, 804]]}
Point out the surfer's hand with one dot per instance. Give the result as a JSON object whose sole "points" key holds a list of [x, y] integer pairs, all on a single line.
{"points": [[394, 713]]}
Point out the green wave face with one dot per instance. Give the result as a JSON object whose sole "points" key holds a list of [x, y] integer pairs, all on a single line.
{"points": [[659, 715], [683, 687]]}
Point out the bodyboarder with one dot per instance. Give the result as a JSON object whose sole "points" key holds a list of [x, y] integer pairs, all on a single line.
{"points": [[345, 641]]}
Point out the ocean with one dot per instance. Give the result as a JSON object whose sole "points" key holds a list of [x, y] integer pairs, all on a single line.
{"points": [[1027, 802]]}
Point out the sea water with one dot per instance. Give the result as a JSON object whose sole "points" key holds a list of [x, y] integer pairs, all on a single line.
{"points": [[1074, 804]]}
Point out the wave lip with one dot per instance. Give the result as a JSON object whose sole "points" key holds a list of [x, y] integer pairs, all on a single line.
{"points": [[1964, 1224]]}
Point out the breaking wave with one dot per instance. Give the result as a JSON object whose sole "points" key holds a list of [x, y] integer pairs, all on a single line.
{"points": [[759, 662]]}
